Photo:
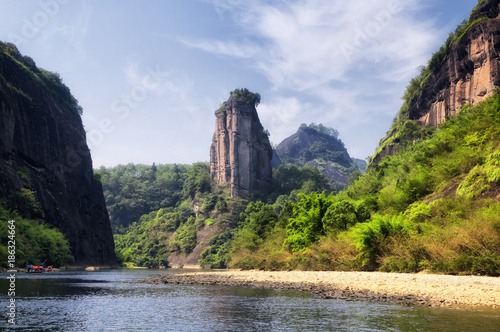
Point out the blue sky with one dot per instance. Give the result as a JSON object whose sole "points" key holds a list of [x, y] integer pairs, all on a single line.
{"points": [[150, 74]]}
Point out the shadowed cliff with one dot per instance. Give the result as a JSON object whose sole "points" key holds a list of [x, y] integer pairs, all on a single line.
{"points": [[43, 152]]}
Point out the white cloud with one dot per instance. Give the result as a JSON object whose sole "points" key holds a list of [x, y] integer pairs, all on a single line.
{"points": [[222, 48], [175, 89], [352, 59], [304, 43], [281, 115], [69, 24], [302, 56]]}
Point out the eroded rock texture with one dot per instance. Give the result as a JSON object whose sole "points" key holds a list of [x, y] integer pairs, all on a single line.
{"points": [[43, 149], [468, 76], [240, 155]]}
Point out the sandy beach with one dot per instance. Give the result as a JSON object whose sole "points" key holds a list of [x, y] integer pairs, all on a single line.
{"points": [[421, 289]]}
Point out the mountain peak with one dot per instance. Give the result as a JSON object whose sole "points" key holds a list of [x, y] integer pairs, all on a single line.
{"points": [[318, 146]]}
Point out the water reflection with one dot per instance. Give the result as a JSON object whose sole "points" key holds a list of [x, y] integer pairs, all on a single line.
{"points": [[107, 300]]}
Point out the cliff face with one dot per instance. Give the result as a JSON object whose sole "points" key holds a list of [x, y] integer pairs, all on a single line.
{"points": [[469, 75], [43, 149], [240, 154]]}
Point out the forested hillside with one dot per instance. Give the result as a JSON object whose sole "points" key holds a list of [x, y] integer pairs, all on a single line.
{"points": [[133, 190], [170, 214], [433, 206]]}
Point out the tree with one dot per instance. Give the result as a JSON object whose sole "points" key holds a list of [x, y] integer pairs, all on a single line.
{"points": [[306, 225], [339, 216], [198, 180], [246, 96]]}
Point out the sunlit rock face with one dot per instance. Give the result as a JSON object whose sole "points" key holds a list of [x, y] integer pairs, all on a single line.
{"points": [[240, 155], [469, 74]]}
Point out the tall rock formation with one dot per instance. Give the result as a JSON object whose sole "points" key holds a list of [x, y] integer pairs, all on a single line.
{"points": [[43, 149], [466, 72], [240, 155], [470, 73]]}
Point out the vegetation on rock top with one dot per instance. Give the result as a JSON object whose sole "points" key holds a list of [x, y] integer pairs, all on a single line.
{"points": [[404, 131], [52, 82], [246, 96]]}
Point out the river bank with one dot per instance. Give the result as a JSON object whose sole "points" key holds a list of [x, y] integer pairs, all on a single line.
{"points": [[423, 289]]}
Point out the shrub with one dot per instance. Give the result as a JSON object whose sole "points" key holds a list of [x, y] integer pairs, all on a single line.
{"points": [[185, 239], [372, 237], [35, 242], [306, 225]]}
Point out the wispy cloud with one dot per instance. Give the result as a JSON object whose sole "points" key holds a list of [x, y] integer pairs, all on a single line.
{"points": [[347, 54], [304, 42], [69, 26], [175, 89], [233, 49], [313, 42]]}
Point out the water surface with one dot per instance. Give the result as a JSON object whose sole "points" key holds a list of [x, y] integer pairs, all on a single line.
{"points": [[112, 300]]}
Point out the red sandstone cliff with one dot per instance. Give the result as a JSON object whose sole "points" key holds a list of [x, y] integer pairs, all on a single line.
{"points": [[469, 74], [240, 155]]}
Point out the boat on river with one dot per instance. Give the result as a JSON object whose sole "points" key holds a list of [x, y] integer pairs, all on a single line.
{"points": [[38, 269]]}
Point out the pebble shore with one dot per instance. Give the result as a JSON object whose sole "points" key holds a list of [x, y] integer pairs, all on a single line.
{"points": [[409, 289]]}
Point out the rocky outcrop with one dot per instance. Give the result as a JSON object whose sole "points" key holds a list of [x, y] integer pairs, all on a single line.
{"points": [[470, 73], [387, 150], [43, 151], [311, 147], [240, 155]]}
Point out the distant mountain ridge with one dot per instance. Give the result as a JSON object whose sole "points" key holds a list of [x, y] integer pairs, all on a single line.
{"points": [[318, 146]]}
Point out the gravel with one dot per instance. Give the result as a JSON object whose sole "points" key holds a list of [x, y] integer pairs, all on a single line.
{"points": [[403, 288]]}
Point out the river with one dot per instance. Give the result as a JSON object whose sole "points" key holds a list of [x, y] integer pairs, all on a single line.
{"points": [[111, 300]]}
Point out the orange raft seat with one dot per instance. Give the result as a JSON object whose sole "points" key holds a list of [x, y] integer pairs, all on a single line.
{"points": [[38, 269]]}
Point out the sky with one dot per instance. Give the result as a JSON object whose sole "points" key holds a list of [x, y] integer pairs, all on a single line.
{"points": [[150, 74]]}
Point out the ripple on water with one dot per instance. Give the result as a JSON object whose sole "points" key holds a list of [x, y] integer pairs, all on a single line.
{"points": [[104, 300]]}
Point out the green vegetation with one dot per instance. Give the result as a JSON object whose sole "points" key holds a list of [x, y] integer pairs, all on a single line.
{"points": [[216, 256], [52, 82], [160, 210], [172, 204], [246, 96], [134, 190], [35, 242], [292, 178], [319, 146], [404, 131], [433, 206], [320, 128]]}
